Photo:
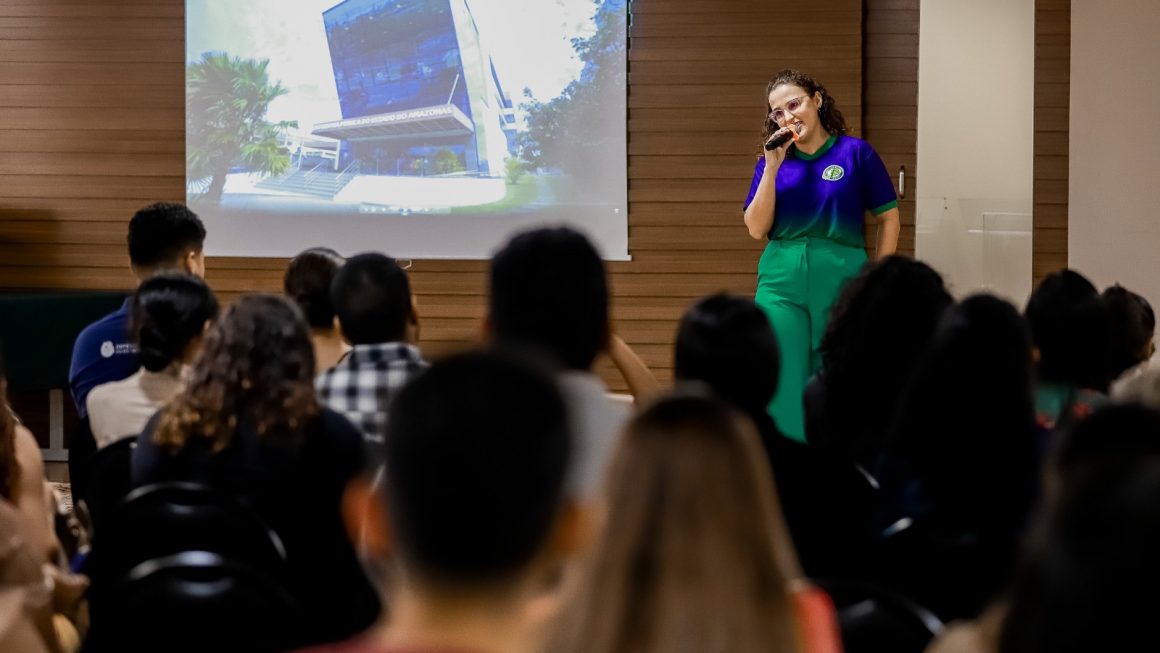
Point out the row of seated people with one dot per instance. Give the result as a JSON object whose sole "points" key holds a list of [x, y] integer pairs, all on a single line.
{"points": [[937, 432]]}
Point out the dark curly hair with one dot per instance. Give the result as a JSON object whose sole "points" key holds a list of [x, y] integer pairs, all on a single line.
{"points": [[879, 327], [831, 117], [256, 370]]}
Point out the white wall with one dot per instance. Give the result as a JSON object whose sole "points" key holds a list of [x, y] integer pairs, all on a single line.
{"points": [[1114, 196], [975, 137]]}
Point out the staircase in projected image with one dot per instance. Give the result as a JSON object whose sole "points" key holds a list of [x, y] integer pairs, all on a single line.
{"points": [[315, 183]]}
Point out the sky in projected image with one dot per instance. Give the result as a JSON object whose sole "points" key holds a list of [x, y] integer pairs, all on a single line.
{"points": [[434, 128], [291, 34]]}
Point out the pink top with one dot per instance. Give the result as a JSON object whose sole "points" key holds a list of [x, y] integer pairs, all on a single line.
{"points": [[816, 617], [363, 645], [817, 621]]}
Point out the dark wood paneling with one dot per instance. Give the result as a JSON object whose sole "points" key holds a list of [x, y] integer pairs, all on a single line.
{"points": [[91, 115], [1052, 101], [890, 99]]}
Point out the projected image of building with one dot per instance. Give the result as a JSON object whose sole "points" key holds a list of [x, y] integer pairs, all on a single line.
{"points": [[418, 92]]}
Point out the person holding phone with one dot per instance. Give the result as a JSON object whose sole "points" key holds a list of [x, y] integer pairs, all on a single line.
{"points": [[809, 198]]}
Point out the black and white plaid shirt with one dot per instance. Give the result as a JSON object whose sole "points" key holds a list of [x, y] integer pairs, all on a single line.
{"points": [[363, 383]]}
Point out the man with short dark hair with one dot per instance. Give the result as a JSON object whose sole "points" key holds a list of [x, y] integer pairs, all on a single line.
{"points": [[548, 294], [371, 296], [474, 513], [163, 237]]}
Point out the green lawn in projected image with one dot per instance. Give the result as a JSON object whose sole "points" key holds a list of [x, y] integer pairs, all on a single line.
{"points": [[530, 189]]}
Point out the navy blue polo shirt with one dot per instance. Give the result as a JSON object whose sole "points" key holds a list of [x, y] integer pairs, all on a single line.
{"points": [[104, 352]]}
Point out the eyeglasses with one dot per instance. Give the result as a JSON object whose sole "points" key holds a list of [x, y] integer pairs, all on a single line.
{"points": [[791, 107]]}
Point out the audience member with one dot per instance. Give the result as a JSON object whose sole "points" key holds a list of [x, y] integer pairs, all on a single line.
{"points": [[961, 468], [1071, 331], [474, 511], [1116, 441], [372, 299], [548, 294], [927, 426], [1116, 436], [249, 423], [162, 237], [26, 619], [307, 282], [28, 545], [693, 554], [728, 343], [1087, 582], [22, 481], [1133, 332], [171, 311], [879, 327]]}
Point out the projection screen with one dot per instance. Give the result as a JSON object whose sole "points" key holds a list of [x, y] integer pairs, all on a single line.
{"points": [[422, 128]]}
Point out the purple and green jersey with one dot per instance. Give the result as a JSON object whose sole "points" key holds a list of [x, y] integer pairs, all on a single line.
{"points": [[826, 194]]}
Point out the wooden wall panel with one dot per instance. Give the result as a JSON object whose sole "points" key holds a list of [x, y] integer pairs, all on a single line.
{"points": [[890, 100], [91, 117], [1052, 101]]}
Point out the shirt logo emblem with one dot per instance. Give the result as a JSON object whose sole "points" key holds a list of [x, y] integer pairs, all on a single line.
{"points": [[107, 349], [833, 173]]}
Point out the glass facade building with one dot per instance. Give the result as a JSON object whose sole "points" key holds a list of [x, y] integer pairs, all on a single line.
{"points": [[418, 93]]}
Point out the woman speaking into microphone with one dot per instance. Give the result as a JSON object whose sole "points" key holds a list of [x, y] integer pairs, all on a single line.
{"points": [[810, 196]]}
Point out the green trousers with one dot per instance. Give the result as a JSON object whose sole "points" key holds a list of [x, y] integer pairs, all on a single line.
{"points": [[797, 282]]}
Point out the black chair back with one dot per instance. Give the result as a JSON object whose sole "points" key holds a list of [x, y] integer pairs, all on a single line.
{"points": [[955, 573], [874, 619], [196, 601], [82, 447], [109, 479], [165, 519]]}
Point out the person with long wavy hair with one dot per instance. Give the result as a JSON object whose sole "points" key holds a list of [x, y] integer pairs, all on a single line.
{"points": [[812, 187], [960, 475], [22, 481], [692, 555], [249, 423], [879, 329]]}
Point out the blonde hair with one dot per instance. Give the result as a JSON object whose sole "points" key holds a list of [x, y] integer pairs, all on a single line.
{"points": [[693, 556]]}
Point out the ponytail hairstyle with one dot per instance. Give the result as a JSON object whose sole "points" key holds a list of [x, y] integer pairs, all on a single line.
{"points": [[9, 467], [829, 114], [169, 311]]}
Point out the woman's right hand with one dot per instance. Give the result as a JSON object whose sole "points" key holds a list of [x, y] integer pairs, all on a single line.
{"points": [[774, 157]]}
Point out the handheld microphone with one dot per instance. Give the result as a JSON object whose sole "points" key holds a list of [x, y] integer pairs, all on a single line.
{"points": [[778, 141]]}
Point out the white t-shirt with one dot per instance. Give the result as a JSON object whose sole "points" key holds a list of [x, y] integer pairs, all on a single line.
{"points": [[121, 409], [596, 419]]}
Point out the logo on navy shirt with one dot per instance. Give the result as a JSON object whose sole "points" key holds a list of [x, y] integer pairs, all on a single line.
{"points": [[108, 349], [833, 173]]}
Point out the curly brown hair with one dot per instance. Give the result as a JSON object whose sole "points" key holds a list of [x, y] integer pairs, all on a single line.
{"points": [[829, 114], [256, 369]]}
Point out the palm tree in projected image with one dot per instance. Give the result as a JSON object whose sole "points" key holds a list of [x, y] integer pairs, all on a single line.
{"points": [[225, 124]]}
